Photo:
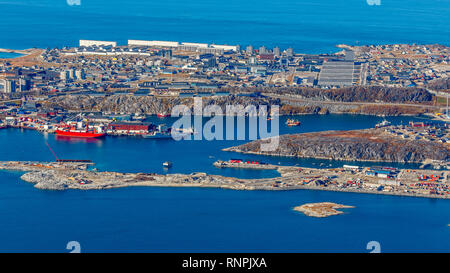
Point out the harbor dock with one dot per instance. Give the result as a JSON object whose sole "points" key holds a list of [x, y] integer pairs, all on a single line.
{"points": [[241, 164]]}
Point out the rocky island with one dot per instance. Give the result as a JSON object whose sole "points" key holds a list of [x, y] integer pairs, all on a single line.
{"points": [[321, 210]]}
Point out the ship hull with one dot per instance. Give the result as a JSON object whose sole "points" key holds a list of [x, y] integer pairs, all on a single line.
{"points": [[158, 136], [79, 134]]}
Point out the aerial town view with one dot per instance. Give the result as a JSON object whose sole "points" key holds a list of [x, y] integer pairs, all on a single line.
{"points": [[122, 141]]}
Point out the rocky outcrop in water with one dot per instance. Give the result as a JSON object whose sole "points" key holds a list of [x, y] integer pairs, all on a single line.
{"points": [[47, 180], [320, 210]]}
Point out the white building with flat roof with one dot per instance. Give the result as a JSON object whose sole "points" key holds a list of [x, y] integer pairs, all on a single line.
{"points": [[153, 43], [226, 47], [184, 45], [195, 44], [97, 43]]}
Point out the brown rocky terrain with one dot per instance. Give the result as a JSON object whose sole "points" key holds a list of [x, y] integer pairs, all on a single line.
{"points": [[152, 105], [356, 145], [147, 104], [351, 94], [320, 210]]}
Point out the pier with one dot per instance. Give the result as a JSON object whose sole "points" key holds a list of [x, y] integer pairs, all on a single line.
{"points": [[240, 164]]}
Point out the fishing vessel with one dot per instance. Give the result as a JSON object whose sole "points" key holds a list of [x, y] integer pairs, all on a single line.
{"points": [[162, 132], [120, 117], [138, 116], [384, 123], [162, 115], [68, 130], [157, 135], [293, 122]]}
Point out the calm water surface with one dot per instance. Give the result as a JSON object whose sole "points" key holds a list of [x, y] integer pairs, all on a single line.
{"points": [[192, 219], [307, 26]]}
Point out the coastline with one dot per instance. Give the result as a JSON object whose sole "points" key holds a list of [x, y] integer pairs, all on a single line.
{"points": [[17, 51], [390, 144], [63, 176], [230, 149]]}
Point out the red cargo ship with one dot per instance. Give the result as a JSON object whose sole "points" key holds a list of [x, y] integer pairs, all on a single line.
{"points": [[69, 131]]}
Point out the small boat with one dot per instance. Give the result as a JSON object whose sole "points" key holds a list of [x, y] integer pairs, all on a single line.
{"points": [[384, 123], [139, 117], [187, 131], [167, 164], [293, 122], [158, 135], [162, 115]]}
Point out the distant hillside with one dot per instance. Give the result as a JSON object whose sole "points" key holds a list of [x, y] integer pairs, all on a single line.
{"points": [[440, 84], [152, 105], [352, 94]]}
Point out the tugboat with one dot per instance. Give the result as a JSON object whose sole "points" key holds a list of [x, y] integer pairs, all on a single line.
{"points": [[162, 115], [382, 124], [293, 122], [70, 131]]}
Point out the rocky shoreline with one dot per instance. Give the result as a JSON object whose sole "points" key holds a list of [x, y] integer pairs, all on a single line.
{"points": [[243, 165], [372, 145], [152, 105], [64, 176]]}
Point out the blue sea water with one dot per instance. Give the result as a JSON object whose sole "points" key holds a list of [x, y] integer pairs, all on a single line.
{"points": [[307, 26], [134, 154], [197, 220], [4, 55], [204, 220]]}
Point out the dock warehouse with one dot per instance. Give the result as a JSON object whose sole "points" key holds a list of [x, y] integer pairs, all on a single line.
{"points": [[153, 43], [130, 127]]}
